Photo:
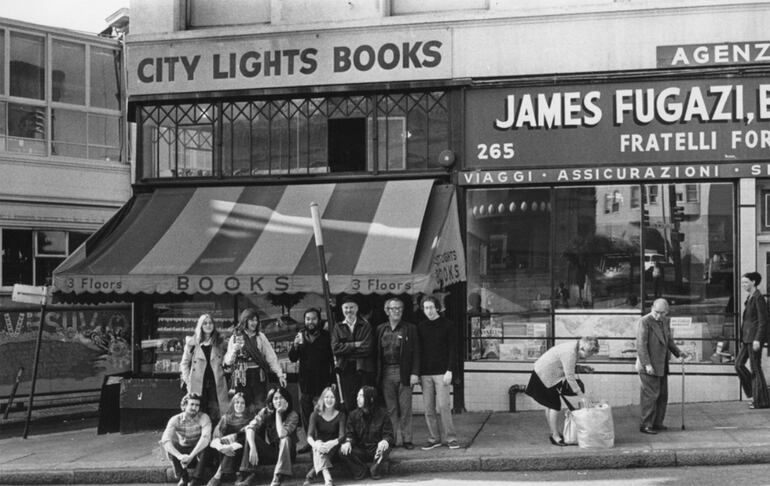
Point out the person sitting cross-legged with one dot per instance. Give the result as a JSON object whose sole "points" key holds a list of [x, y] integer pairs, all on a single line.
{"points": [[185, 439], [368, 436], [271, 438]]}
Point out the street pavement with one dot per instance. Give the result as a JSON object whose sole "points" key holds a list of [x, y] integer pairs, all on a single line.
{"points": [[717, 433]]}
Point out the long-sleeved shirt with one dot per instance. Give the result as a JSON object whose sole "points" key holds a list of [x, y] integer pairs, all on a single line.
{"points": [[264, 347], [263, 426], [366, 431], [438, 346], [186, 432]]}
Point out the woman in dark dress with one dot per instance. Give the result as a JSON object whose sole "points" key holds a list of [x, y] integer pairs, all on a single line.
{"points": [[326, 431]]}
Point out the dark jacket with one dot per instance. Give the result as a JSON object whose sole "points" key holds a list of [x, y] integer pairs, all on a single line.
{"points": [[365, 432], [754, 326], [315, 363], [410, 351], [343, 345], [654, 345]]}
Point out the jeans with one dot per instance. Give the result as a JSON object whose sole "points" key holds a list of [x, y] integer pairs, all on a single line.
{"points": [[198, 463], [435, 396], [398, 401]]}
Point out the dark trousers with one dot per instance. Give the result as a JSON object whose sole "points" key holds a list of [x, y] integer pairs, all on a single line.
{"points": [[255, 391], [282, 455], [359, 456], [306, 404], [753, 382], [653, 399], [351, 381], [198, 463]]}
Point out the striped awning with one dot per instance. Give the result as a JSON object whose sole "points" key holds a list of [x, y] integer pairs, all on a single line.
{"points": [[379, 237]]}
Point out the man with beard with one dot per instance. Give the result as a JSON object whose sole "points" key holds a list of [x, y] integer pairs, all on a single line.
{"points": [[368, 437], [352, 345], [313, 349]]}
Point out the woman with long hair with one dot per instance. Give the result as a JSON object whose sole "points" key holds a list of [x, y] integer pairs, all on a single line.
{"points": [[271, 438], [325, 433], [201, 367], [250, 352], [229, 437]]}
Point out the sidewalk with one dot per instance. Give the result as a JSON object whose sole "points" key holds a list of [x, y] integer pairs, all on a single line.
{"points": [[716, 433]]}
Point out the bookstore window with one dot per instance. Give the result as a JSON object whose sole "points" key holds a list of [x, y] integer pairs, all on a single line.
{"points": [[300, 136]]}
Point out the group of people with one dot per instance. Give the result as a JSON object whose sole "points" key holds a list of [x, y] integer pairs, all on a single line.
{"points": [[556, 370], [355, 395]]}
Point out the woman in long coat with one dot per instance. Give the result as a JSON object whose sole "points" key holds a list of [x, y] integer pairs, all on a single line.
{"points": [[201, 367]]}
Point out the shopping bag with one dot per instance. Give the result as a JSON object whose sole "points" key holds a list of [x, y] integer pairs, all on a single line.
{"points": [[570, 429], [595, 428]]}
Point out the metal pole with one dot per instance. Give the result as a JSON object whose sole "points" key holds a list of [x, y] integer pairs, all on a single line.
{"points": [[34, 370], [13, 392], [682, 393], [319, 243]]}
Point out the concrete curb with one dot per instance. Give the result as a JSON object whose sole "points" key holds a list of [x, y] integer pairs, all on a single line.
{"points": [[580, 459]]}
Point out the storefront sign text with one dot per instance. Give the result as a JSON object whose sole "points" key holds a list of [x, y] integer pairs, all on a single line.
{"points": [[184, 66], [667, 122], [726, 53], [614, 174]]}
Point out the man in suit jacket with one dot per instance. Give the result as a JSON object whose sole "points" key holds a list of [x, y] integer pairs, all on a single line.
{"points": [[352, 344], [753, 337], [654, 345]]}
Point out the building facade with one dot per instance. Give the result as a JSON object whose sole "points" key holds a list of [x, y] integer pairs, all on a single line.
{"points": [[65, 172], [601, 154]]}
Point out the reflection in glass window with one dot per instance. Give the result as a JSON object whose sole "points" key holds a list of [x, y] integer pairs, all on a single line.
{"points": [[597, 252], [103, 137], [105, 78], [17, 257], [51, 243], [68, 133], [26, 129], [27, 66], [68, 78]]}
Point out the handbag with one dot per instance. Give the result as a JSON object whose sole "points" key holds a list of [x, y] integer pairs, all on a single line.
{"points": [[565, 389], [570, 428]]}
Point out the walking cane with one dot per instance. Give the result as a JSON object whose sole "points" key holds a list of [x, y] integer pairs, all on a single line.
{"points": [[683, 392]]}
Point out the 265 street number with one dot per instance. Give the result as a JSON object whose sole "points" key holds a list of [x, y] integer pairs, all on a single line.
{"points": [[495, 151]]}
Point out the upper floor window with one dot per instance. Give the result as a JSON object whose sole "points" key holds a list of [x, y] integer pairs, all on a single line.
{"points": [[391, 132], [62, 97], [29, 257]]}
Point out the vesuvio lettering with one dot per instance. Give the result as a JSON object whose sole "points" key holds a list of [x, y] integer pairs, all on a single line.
{"points": [[387, 56]]}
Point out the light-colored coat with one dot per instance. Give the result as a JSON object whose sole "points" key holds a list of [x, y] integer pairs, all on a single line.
{"points": [[193, 366], [654, 345], [557, 364]]}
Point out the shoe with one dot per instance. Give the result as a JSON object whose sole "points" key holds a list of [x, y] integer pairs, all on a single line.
{"points": [[431, 445], [277, 479], [309, 477], [182, 482], [647, 430], [328, 482], [214, 482], [408, 446], [660, 428], [374, 471], [453, 444], [247, 481], [555, 442]]}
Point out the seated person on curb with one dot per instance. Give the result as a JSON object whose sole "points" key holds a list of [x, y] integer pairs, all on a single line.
{"points": [[271, 438], [326, 431], [228, 439], [368, 436], [186, 436]]}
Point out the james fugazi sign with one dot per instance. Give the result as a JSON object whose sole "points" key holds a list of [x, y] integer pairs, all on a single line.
{"points": [[668, 122]]}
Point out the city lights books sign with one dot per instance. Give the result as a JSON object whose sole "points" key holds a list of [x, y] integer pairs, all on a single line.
{"points": [[618, 132]]}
